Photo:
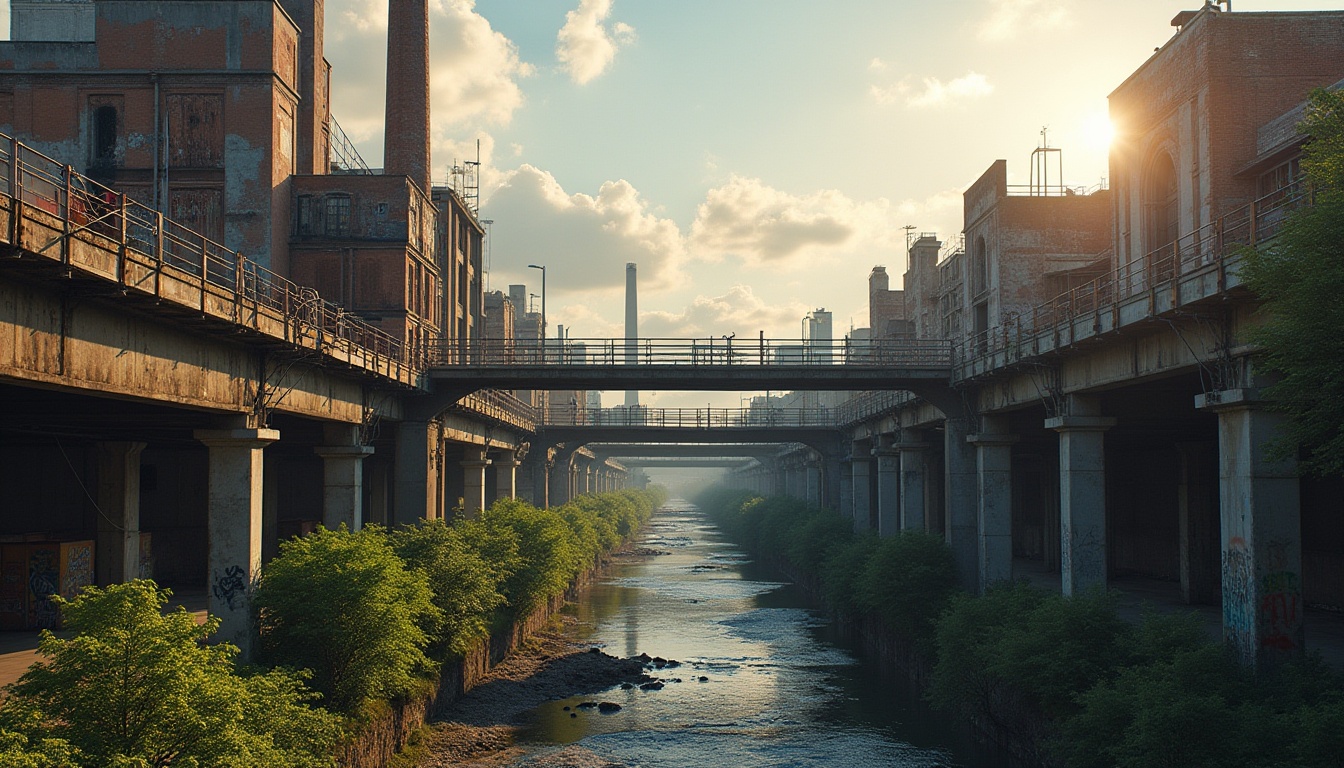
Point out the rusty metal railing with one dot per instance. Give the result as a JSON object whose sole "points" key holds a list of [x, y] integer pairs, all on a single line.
{"points": [[502, 407], [1205, 248], [687, 418], [155, 246], [934, 353]]}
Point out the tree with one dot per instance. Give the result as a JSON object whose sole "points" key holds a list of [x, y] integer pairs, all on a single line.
{"points": [[1299, 277], [135, 687], [466, 587], [345, 606]]}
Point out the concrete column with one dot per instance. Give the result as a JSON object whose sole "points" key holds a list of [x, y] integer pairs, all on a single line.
{"points": [[846, 483], [1261, 519], [913, 477], [812, 477], [473, 479], [1082, 494], [343, 477], [860, 462], [118, 553], [506, 475], [1197, 499], [994, 485], [960, 481], [888, 486], [834, 477], [234, 527], [416, 473]]}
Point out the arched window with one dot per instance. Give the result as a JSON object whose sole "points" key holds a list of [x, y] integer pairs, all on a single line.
{"points": [[1162, 217]]}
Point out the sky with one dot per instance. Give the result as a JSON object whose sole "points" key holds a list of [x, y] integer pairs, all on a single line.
{"points": [[755, 158]]}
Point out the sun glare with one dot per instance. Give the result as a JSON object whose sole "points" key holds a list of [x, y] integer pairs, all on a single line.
{"points": [[1098, 131]]}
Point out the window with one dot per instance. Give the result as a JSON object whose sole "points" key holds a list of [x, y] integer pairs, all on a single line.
{"points": [[310, 218], [1162, 219], [105, 136], [979, 268], [337, 216]]}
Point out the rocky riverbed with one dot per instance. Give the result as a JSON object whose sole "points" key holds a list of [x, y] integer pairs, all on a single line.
{"points": [[480, 728]]}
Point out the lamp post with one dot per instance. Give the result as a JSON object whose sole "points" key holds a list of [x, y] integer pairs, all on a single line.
{"points": [[542, 267]]}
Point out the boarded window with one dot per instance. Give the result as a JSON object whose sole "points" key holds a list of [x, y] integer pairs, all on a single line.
{"points": [[195, 130]]}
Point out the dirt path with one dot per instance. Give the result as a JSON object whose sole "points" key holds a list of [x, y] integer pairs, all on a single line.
{"points": [[480, 728]]}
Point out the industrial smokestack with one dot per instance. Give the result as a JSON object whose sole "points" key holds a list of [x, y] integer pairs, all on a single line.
{"points": [[406, 135], [631, 327]]}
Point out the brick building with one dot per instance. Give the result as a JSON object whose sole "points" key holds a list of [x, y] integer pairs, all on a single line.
{"points": [[217, 115]]}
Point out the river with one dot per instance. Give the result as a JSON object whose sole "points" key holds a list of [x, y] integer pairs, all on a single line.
{"points": [[764, 680]]}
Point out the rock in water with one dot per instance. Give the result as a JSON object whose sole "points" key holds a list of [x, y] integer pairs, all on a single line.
{"points": [[607, 707]]}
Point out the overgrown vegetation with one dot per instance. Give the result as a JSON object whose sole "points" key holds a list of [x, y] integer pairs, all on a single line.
{"points": [[1066, 678], [1299, 278], [133, 686], [365, 617]]}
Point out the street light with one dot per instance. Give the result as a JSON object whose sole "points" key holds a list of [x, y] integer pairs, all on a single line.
{"points": [[542, 267]]}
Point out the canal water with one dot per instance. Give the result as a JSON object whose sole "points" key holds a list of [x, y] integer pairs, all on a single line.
{"points": [[762, 679]]}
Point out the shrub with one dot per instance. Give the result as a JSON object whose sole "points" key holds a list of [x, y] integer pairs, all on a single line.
{"points": [[465, 586], [547, 549], [133, 686], [841, 569], [907, 582], [344, 605]]}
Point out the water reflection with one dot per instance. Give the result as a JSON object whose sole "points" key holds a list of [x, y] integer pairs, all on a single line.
{"points": [[760, 681]]}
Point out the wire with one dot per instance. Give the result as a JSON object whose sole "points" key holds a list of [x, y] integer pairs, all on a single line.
{"points": [[82, 487]]}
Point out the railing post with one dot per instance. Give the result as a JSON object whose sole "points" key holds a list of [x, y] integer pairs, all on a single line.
{"points": [[66, 172], [16, 194], [205, 271], [158, 254], [121, 238]]}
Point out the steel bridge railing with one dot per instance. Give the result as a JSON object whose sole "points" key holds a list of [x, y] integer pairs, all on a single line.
{"points": [[503, 407], [145, 239], [1205, 248], [688, 418], [696, 352]]}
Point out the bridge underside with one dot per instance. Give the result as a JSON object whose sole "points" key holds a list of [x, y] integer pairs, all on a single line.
{"points": [[920, 380], [715, 435], [674, 450]]}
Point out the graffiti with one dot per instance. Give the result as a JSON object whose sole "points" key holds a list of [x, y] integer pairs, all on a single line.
{"points": [[231, 586], [1280, 610], [1239, 620], [44, 578], [77, 572]]}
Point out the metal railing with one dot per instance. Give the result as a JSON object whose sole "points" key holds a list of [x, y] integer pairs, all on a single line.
{"points": [[688, 418], [501, 406], [153, 246], [344, 157], [1205, 248], [697, 352]]}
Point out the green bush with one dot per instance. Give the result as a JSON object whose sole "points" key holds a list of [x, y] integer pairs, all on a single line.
{"points": [[465, 584], [132, 686], [842, 568], [344, 605], [907, 582], [549, 554]]}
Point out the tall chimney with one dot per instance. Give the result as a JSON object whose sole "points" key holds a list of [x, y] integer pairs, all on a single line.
{"points": [[313, 155], [406, 135], [631, 327]]}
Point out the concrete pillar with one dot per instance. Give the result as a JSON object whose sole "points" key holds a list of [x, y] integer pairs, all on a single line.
{"points": [[1082, 494], [234, 527], [118, 553], [846, 483], [812, 479], [378, 503], [416, 473], [888, 486], [994, 486], [1261, 520], [506, 474], [913, 477], [1197, 500], [473, 479], [860, 462], [960, 481], [833, 479], [343, 477]]}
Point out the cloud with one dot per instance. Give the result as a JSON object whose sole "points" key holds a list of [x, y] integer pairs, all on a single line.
{"points": [[474, 73], [584, 240], [738, 311], [1010, 18], [935, 92], [585, 46], [756, 223]]}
